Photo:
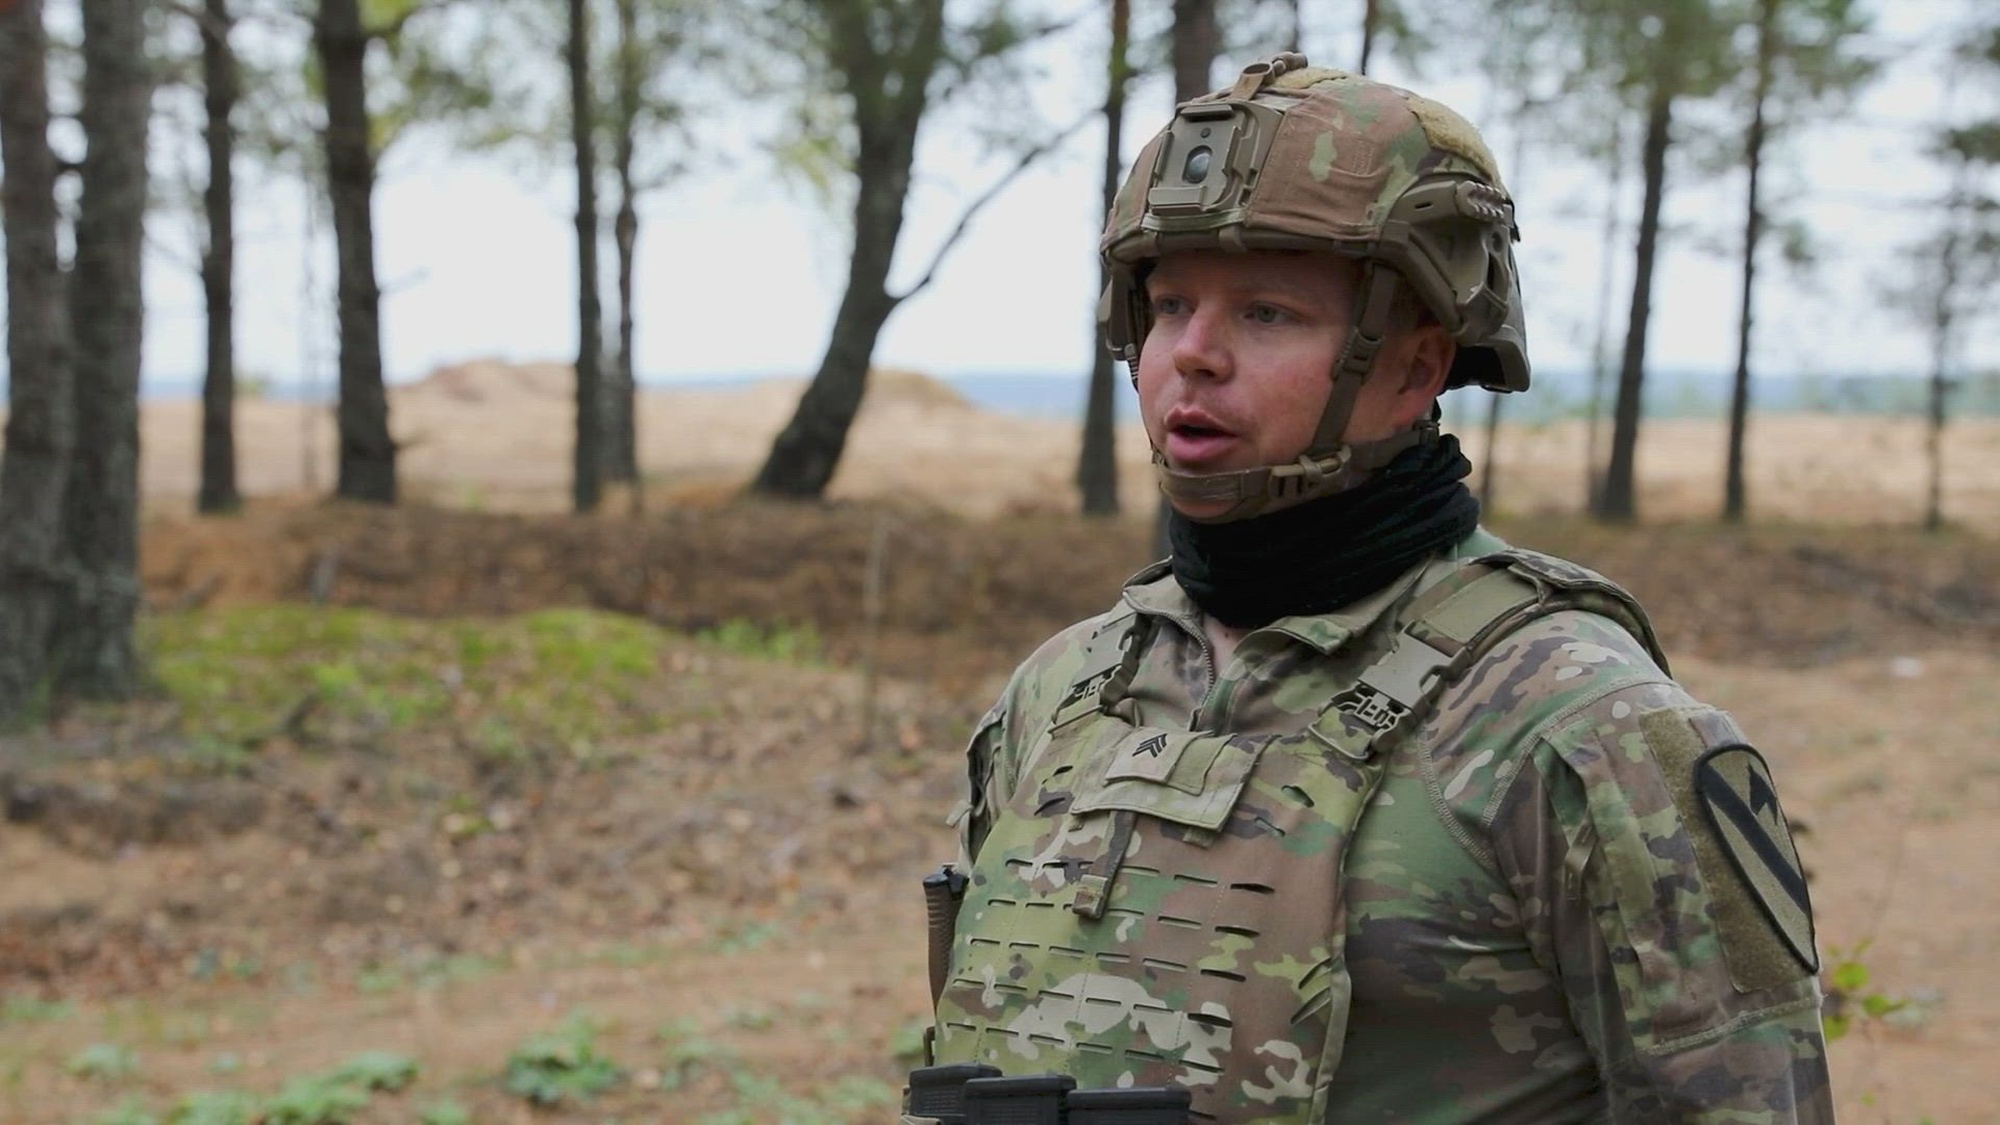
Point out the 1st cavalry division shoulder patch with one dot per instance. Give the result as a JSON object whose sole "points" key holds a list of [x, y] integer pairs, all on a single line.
{"points": [[1733, 785]]}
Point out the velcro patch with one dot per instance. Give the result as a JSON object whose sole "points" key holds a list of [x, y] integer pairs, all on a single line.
{"points": [[1742, 845], [1734, 786]]}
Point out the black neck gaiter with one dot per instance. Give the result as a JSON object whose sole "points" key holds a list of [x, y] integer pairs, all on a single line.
{"points": [[1325, 554]]}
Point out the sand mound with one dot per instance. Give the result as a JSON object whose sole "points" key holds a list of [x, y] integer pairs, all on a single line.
{"points": [[494, 435], [887, 386], [493, 382]]}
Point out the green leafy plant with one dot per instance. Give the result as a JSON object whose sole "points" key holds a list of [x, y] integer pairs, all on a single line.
{"points": [[377, 1070], [227, 1107], [1849, 995], [108, 1062], [333, 1098], [561, 1066], [317, 1099]]}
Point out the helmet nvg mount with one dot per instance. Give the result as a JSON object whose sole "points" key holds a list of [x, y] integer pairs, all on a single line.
{"points": [[1293, 157]]}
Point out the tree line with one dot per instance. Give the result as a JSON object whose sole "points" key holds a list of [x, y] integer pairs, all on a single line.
{"points": [[618, 88]]}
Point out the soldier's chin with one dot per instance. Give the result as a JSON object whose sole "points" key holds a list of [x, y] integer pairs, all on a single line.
{"points": [[1200, 511]]}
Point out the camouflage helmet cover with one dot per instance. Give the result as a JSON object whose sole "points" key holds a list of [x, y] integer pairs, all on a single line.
{"points": [[1299, 157]]}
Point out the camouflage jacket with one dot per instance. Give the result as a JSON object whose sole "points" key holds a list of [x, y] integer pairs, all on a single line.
{"points": [[1530, 922]]}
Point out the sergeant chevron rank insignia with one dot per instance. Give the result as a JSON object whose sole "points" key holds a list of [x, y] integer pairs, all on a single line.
{"points": [[1734, 787]]}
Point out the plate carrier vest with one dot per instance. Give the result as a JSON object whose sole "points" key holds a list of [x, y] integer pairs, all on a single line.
{"points": [[1122, 928]]}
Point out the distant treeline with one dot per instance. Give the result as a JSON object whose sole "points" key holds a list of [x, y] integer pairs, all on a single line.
{"points": [[1562, 394], [1698, 394]]}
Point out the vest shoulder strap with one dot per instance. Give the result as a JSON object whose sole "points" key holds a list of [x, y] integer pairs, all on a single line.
{"points": [[1454, 623], [1110, 659]]}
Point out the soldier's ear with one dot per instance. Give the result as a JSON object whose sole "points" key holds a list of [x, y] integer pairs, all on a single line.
{"points": [[1430, 352]]}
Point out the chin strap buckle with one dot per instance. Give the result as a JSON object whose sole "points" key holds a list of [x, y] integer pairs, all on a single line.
{"points": [[1309, 474]]}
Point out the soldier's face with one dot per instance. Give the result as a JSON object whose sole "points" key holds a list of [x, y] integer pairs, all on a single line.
{"points": [[1238, 365]]}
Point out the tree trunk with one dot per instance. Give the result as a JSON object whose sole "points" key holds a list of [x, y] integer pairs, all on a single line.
{"points": [[1371, 18], [1600, 351], [1733, 499], [1097, 466], [1934, 434], [1616, 502], [41, 422], [367, 452], [621, 437], [218, 264], [1196, 39], [588, 464], [1943, 321], [1491, 469], [889, 104], [101, 510], [803, 459]]}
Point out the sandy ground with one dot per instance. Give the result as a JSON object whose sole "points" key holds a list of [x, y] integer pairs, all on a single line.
{"points": [[1886, 761], [491, 435], [1885, 753]]}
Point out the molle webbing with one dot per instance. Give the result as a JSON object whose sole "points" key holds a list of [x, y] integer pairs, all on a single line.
{"points": [[1159, 906]]}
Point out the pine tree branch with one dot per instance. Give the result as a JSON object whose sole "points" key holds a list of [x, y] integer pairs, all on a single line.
{"points": [[965, 218]]}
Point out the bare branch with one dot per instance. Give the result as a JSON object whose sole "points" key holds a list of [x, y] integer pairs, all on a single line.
{"points": [[962, 69], [1026, 161]]}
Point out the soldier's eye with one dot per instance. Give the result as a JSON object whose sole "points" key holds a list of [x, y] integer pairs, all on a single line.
{"points": [[1267, 314], [1168, 305]]}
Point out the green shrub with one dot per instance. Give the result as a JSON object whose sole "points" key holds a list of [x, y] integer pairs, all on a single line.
{"points": [[318, 1099], [561, 1066], [335, 1097], [377, 1070]]}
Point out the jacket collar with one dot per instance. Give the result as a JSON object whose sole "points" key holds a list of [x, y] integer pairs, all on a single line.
{"points": [[1153, 591]]}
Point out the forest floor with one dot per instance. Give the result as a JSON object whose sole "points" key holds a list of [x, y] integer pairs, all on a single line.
{"points": [[525, 798]]}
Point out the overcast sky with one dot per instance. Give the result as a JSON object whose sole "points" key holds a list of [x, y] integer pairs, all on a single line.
{"points": [[739, 272]]}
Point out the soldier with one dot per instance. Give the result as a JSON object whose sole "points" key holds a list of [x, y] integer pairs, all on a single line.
{"points": [[1349, 811]]}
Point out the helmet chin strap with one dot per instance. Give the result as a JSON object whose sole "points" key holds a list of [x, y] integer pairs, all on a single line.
{"points": [[1328, 465]]}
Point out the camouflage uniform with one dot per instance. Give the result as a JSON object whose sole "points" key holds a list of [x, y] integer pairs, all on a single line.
{"points": [[1529, 923], [1460, 851]]}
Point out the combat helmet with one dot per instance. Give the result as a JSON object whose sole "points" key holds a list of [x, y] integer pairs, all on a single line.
{"points": [[1308, 158]]}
